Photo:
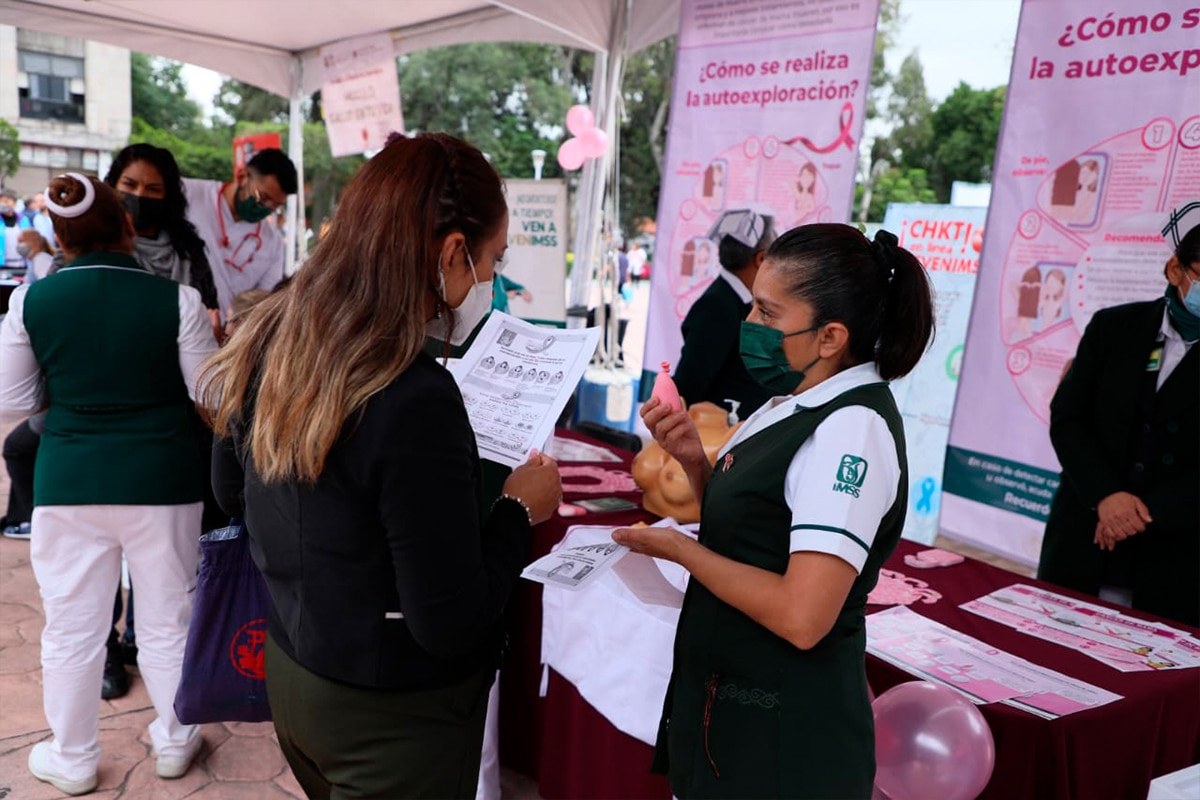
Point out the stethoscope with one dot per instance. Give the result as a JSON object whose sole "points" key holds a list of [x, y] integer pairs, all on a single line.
{"points": [[256, 234]]}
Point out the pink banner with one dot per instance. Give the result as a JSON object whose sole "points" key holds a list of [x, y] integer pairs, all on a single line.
{"points": [[1101, 138], [766, 116]]}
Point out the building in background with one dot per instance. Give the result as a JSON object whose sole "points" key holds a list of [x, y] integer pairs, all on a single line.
{"points": [[69, 100]]}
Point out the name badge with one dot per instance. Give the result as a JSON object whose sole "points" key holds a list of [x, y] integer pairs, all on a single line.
{"points": [[1156, 358]]}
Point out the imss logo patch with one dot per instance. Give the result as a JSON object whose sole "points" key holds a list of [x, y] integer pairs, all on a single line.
{"points": [[851, 473]]}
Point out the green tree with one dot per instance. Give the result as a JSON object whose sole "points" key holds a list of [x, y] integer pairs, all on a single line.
{"points": [[896, 185], [10, 150], [159, 95], [965, 130], [886, 29], [910, 112], [506, 99], [647, 97], [241, 102], [205, 153]]}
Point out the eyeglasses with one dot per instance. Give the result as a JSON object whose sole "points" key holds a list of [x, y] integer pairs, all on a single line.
{"points": [[258, 194]]}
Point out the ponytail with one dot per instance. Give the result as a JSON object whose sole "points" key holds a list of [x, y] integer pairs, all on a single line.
{"points": [[878, 290], [906, 327]]}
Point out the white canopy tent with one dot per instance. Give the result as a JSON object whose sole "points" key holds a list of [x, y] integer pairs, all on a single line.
{"points": [[275, 44]]}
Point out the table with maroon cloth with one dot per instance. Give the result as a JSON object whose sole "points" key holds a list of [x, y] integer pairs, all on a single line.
{"points": [[1111, 751]]}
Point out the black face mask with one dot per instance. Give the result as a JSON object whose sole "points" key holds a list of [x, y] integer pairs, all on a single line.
{"points": [[147, 212]]}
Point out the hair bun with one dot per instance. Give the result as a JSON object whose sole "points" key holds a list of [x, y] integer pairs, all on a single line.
{"points": [[70, 195]]}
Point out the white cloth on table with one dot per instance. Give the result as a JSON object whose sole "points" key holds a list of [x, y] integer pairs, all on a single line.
{"points": [[615, 650]]}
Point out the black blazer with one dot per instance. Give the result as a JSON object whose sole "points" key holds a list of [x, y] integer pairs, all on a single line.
{"points": [[710, 367], [1094, 428], [392, 525]]}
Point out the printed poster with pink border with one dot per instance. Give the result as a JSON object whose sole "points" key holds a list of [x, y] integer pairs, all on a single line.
{"points": [[766, 115], [1101, 139]]}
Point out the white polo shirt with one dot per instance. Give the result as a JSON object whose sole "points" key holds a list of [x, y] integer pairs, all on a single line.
{"points": [[846, 475], [243, 255]]}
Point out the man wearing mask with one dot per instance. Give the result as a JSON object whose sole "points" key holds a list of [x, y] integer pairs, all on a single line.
{"points": [[244, 250], [11, 225]]}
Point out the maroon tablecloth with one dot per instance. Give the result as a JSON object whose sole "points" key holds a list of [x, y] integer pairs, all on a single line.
{"points": [[1112, 751]]}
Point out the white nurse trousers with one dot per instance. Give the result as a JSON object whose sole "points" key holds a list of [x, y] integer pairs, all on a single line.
{"points": [[76, 554]]}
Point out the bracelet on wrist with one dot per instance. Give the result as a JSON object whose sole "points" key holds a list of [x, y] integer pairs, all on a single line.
{"points": [[518, 501]]}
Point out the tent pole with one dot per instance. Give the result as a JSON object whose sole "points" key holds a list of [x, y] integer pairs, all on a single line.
{"points": [[297, 248]]}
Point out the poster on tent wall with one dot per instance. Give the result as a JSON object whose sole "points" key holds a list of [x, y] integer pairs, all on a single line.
{"points": [[360, 94], [947, 241], [1101, 138], [766, 113], [537, 248]]}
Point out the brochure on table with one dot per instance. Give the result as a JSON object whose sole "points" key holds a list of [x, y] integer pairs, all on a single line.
{"points": [[936, 653], [1122, 642], [516, 379], [577, 452]]}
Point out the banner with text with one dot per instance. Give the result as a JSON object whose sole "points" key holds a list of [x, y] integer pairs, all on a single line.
{"points": [[947, 241], [766, 113], [537, 248], [1101, 138], [360, 94]]}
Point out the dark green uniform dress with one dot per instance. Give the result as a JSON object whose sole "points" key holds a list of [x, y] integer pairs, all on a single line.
{"points": [[748, 714]]}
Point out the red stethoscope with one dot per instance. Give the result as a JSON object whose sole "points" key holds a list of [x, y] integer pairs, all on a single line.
{"points": [[254, 238]]}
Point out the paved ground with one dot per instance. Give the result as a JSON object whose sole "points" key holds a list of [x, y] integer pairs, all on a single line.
{"points": [[240, 761]]}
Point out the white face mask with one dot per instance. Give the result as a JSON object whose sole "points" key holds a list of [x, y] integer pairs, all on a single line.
{"points": [[469, 313]]}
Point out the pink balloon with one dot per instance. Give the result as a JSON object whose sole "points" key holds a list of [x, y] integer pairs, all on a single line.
{"points": [[570, 155], [595, 142], [580, 119], [930, 741]]}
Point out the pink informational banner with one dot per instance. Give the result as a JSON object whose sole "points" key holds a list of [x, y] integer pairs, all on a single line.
{"points": [[1101, 138], [360, 94], [766, 115]]}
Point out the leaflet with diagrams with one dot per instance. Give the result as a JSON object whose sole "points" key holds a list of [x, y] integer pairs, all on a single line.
{"points": [[516, 379]]}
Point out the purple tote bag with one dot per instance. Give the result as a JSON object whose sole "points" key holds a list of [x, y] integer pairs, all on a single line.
{"points": [[223, 677]]}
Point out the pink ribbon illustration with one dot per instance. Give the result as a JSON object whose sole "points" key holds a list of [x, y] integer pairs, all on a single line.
{"points": [[846, 119]]}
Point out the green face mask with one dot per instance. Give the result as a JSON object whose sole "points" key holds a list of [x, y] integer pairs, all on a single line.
{"points": [[249, 209], [762, 353]]}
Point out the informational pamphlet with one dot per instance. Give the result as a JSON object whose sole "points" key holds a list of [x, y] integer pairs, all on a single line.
{"points": [[1119, 641], [573, 450], [575, 567], [516, 379], [937, 653]]}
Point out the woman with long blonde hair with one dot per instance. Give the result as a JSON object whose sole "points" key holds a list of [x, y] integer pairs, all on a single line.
{"points": [[349, 454]]}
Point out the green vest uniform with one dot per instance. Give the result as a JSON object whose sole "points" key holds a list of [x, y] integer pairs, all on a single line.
{"points": [[105, 334], [748, 714]]}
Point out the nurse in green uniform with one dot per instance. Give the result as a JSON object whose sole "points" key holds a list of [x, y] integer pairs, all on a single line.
{"points": [[768, 697]]}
